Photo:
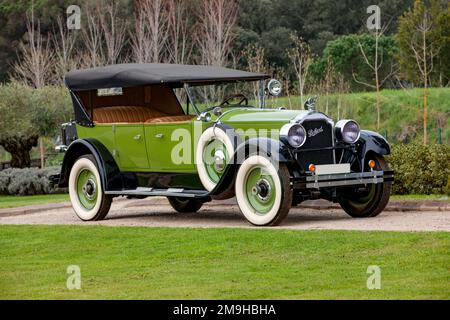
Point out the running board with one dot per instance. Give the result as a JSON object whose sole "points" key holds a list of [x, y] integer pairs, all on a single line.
{"points": [[152, 192]]}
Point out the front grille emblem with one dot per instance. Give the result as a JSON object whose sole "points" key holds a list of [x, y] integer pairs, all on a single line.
{"points": [[315, 132]]}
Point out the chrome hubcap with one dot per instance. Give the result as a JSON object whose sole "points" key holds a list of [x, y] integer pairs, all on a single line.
{"points": [[262, 190], [90, 189], [219, 161]]}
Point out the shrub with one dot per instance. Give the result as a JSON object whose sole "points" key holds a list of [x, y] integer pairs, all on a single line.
{"points": [[447, 188], [27, 182], [420, 169]]}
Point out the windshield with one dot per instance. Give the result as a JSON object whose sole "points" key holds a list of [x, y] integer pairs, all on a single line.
{"points": [[209, 96]]}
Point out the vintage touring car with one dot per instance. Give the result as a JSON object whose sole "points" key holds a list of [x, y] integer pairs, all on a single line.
{"points": [[197, 133]]}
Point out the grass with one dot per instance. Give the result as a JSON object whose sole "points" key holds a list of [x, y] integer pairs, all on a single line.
{"points": [[420, 197], [158, 263], [15, 201]]}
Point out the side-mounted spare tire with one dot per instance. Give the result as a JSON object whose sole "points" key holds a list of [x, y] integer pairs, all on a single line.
{"points": [[215, 150]]}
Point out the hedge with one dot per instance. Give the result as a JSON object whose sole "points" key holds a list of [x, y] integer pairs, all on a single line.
{"points": [[421, 169], [27, 182]]}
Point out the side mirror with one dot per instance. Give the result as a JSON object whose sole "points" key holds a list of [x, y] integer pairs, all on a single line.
{"points": [[274, 87], [310, 104]]}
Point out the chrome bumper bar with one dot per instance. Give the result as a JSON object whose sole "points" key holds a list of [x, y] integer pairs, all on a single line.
{"points": [[346, 179]]}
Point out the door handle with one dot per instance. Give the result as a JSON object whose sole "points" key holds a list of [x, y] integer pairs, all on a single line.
{"points": [[159, 136], [137, 138]]}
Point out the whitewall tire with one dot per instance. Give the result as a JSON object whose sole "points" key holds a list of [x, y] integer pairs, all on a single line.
{"points": [[86, 194], [214, 150], [263, 193]]}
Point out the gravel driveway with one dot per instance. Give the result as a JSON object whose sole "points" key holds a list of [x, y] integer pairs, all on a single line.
{"points": [[158, 213]]}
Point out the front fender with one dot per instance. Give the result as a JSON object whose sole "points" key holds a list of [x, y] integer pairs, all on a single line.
{"points": [[107, 166], [268, 147], [372, 143], [271, 148]]}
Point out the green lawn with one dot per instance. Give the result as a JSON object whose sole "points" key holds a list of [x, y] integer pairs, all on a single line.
{"points": [[154, 263], [14, 201], [420, 197]]}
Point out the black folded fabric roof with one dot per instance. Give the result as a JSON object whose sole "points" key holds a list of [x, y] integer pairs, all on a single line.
{"points": [[130, 75]]}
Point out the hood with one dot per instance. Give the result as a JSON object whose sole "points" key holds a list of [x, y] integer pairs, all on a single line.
{"points": [[249, 115]]}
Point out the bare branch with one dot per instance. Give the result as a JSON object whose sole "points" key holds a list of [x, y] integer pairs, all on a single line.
{"points": [[215, 30], [35, 63]]}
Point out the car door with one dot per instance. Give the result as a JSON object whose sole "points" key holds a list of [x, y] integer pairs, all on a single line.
{"points": [[131, 149], [170, 147]]}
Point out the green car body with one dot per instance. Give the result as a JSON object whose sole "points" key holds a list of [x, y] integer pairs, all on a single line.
{"points": [[267, 158], [139, 154]]}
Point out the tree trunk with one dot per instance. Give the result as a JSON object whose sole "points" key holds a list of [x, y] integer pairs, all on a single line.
{"points": [[19, 148], [42, 152]]}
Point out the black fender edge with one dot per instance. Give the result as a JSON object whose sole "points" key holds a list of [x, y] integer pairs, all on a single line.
{"points": [[372, 142]]}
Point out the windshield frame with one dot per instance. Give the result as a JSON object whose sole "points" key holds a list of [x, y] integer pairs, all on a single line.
{"points": [[262, 94]]}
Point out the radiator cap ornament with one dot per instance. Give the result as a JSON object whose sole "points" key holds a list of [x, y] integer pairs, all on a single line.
{"points": [[310, 104]]}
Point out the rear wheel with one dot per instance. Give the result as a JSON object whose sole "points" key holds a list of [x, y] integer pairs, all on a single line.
{"points": [[86, 194], [371, 202], [263, 193], [183, 205]]}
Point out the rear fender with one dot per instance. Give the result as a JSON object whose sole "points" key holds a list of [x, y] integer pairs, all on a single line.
{"points": [[107, 166]]}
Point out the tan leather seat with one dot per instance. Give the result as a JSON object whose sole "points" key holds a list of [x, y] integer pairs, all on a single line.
{"points": [[171, 119], [125, 114]]}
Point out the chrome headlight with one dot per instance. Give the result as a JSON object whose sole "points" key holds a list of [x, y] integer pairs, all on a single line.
{"points": [[293, 134], [347, 131]]}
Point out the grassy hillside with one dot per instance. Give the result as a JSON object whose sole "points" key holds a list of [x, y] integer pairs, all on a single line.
{"points": [[401, 111]]}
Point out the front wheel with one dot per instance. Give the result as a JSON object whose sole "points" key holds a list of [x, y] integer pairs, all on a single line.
{"points": [[371, 202], [263, 193], [86, 194]]}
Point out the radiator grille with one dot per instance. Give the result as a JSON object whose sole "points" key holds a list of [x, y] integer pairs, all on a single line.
{"points": [[319, 135]]}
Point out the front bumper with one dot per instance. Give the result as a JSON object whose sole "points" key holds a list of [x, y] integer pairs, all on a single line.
{"points": [[314, 181]]}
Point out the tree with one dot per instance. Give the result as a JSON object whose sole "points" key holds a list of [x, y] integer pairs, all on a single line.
{"points": [[64, 50], [92, 38], [155, 12], [345, 53], [139, 37], [420, 40], [301, 58], [215, 30], [375, 64], [28, 113], [256, 62], [437, 37], [113, 30], [328, 82], [35, 63], [179, 46]]}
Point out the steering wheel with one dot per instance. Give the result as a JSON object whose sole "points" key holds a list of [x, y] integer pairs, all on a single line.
{"points": [[234, 96]]}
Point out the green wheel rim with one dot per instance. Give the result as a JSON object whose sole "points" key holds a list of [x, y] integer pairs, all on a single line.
{"points": [[363, 201], [259, 189], [87, 189], [209, 154]]}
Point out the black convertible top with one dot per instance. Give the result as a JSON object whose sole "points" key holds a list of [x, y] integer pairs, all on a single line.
{"points": [[131, 75]]}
